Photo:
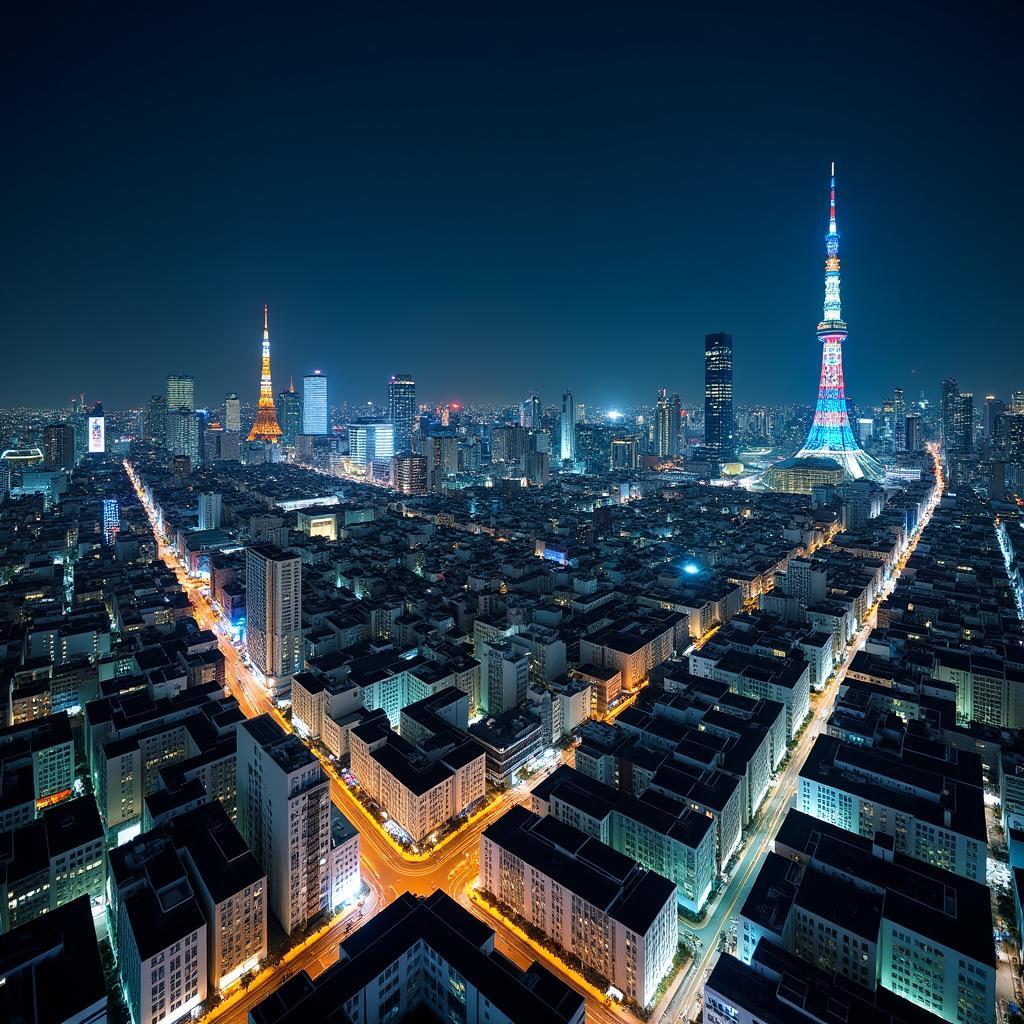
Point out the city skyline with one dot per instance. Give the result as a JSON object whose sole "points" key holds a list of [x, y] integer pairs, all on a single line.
{"points": [[535, 231]]}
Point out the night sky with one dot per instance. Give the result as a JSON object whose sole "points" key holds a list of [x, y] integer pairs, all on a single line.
{"points": [[505, 197]]}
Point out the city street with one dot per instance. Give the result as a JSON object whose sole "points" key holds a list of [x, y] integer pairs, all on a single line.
{"points": [[453, 868]]}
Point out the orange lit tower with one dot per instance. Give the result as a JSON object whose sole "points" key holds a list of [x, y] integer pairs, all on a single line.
{"points": [[266, 427]]}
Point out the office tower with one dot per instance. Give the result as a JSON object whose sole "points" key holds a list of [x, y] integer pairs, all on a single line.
{"points": [[442, 455], [59, 446], [899, 421], [181, 392], [111, 520], [719, 425], [402, 409], [912, 432], [284, 815], [369, 440], [289, 414], [315, 418], [537, 467], [830, 435], [567, 425], [210, 506], [993, 410], [529, 412], [273, 612], [675, 427], [508, 445], [184, 434], [624, 453], [948, 401], [232, 413], [155, 420], [220, 445], [1017, 401], [265, 427], [409, 473], [963, 423], [662, 420]]}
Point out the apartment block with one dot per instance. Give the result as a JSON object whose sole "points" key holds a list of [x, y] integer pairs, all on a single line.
{"points": [[617, 917]]}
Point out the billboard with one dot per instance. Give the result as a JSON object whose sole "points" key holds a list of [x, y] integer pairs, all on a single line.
{"points": [[97, 434]]}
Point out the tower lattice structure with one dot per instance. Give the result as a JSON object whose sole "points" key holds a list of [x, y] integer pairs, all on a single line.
{"points": [[830, 435], [265, 427]]}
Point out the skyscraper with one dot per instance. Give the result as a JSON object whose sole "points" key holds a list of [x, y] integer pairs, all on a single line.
{"points": [[719, 428], [265, 427], [662, 421], [675, 427], [273, 612], [315, 419], [289, 414], [232, 413], [154, 420], [529, 412], [402, 409], [210, 510], [912, 432], [830, 435], [948, 401], [899, 420], [993, 410], [567, 426], [184, 434], [59, 446], [963, 423], [370, 440], [181, 392]]}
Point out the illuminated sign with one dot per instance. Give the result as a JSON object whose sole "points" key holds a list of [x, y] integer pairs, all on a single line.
{"points": [[97, 434]]}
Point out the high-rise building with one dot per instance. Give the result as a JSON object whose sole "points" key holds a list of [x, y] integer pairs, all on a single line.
{"points": [[993, 410], [830, 436], [675, 427], [899, 421], [508, 445], [948, 401], [402, 409], [409, 473], [567, 426], [154, 420], [111, 520], [315, 416], [719, 426], [625, 453], [265, 427], [370, 440], [220, 445], [59, 446], [232, 413], [442, 454], [184, 434], [963, 423], [181, 392], [289, 414], [273, 612], [662, 425], [912, 432], [529, 412], [284, 815], [97, 430], [210, 506]]}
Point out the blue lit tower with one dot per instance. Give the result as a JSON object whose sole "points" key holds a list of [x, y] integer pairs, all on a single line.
{"points": [[830, 436]]}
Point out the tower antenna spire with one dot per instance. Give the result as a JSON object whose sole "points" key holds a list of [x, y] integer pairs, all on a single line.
{"points": [[266, 428]]}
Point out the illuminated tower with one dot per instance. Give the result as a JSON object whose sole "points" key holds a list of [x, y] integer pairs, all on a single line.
{"points": [[266, 427], [830, 436]]}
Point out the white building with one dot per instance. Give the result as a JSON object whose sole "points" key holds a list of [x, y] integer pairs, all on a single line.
{"points": [[618, 918], [284, 814], [273, 613]]}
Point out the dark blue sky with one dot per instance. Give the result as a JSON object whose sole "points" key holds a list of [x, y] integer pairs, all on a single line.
{"points": [[499, 198]]}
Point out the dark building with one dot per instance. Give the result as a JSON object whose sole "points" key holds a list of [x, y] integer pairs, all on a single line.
{"points": [[289, 415], [719, 427], [59, 446], [402, 410]]}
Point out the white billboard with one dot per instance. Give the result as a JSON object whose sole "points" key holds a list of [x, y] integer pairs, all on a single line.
{"points": [[97, 434]]}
